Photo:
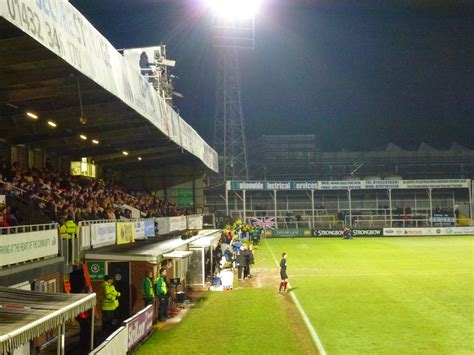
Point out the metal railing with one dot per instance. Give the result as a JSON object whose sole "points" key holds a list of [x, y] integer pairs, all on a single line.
{"points": [[28, 228], [326, 221], [381, 223]]}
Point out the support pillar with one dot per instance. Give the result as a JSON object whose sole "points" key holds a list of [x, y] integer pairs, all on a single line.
{"points": [[226, 201], [390, 207], [275, 206], [92, 328], [350, 207], [470, 201], [245, 206], [430, 196]]}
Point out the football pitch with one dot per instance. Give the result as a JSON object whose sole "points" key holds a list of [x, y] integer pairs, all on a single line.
{"points": [[385, 295], [363, 296]]}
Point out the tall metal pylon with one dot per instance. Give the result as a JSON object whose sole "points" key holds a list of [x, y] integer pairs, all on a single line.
{"points": [[229, 129]]}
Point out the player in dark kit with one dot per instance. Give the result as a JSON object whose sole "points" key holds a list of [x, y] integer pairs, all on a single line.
{"points": [[347, 233], [283, 275]]}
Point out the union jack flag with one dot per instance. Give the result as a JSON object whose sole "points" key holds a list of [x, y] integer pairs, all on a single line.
{"points": [[264, 222]]}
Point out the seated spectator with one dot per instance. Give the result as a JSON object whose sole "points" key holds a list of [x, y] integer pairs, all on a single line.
{"points": [[59, 194], [4, 217], [11, 217]]}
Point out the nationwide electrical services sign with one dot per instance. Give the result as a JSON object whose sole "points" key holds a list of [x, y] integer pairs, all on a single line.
{"points": [[347, 185]]}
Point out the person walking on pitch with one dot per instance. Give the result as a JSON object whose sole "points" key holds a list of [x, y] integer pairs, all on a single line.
{"points": [[283, 275]]}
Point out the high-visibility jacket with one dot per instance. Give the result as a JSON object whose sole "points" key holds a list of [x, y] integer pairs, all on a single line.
{"points": [[109, 297], [68, 230], [161, 287], [148, 288]]}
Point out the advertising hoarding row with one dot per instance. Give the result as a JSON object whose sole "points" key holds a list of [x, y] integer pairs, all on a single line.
{"points": [[96, 235], [347, 185], [370, 232], [432, 231]]}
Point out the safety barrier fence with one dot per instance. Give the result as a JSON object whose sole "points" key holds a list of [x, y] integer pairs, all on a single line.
{"points": [[129, 335], [27, 243], [358, 218], [21, 244]]}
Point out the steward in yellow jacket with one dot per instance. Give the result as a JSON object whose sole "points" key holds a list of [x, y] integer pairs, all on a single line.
{"points": [[68, 233], [69, 228], [148, 288], [163, 294], [109, 303]]}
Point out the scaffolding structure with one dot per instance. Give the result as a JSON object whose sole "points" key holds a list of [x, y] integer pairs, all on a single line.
{"points": [[299, 157]]}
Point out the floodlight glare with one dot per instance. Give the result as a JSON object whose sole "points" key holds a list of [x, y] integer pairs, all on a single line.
{"points": [[234, 9]]}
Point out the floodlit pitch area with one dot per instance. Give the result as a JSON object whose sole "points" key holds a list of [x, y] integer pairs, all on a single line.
{"points": [[386, 295], [373, 295]]}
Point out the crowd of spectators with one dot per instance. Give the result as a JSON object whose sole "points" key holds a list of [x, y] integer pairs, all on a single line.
{"points": [[60, 195], [236, 248]]}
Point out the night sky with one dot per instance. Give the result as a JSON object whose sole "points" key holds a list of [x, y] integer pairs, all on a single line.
{"points": [[359, 74]]}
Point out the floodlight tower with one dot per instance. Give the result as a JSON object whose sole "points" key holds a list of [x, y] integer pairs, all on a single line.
{"points": [[233, 30]]}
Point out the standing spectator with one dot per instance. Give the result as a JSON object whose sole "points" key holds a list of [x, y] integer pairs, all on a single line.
{"points": [[241, 262], [148, 288], [249, 261], [68, 232], [163, 294], [109, 303], [256, 233]]}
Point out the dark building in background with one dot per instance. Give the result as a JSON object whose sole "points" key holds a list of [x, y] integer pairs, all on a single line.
{"points": [[297, 157]]}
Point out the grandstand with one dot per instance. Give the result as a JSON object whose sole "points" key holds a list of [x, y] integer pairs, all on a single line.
{"points": [[85, 136]]}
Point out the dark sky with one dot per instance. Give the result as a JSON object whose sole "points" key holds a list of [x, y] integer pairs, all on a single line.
{"points": [[359, 74]]}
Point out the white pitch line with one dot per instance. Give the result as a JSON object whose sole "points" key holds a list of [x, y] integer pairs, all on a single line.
{"points": [[381, 274], [306, 320]]}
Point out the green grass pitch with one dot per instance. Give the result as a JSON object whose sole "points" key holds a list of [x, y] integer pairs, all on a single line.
{"points": [[386, 295], [363, 296]]}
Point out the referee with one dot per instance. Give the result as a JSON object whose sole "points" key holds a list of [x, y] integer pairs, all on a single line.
{"points": [[283, 275]]}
